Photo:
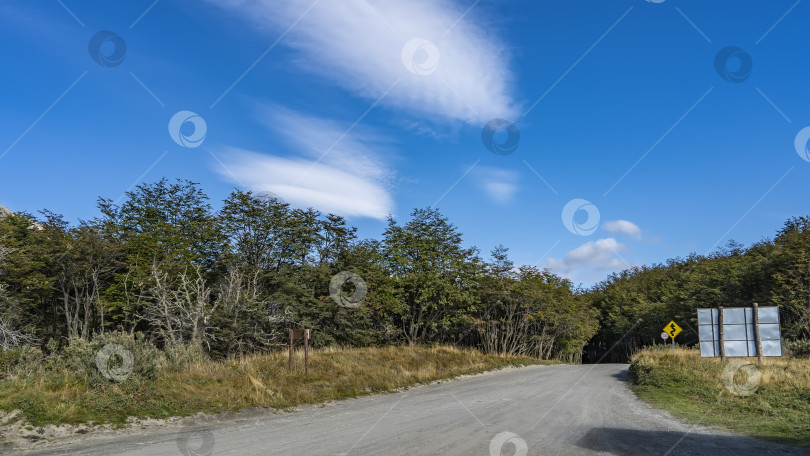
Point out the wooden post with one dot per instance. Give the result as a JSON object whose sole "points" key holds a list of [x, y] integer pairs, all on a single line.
{"points": [[306, 352], [720, 324], [300, 334], [756, 334]]}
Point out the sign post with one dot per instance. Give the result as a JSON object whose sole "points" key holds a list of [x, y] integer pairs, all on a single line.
{"points": [[300, 334], [757, 339], [722, 339], [671, 330], [740, 332]]}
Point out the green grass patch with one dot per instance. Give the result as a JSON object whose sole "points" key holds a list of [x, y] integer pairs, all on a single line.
{"points": [[692, 388], [58, 396]]}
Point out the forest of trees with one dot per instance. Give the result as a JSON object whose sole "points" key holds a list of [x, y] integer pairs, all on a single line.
{"points": [[164, 264], [636, 303]]}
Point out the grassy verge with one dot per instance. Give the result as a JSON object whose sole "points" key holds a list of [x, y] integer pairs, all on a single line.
{"points": [[256, 381], [692, 388]]}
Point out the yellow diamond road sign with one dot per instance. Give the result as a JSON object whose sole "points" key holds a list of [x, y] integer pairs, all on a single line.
{"points": [[672, 329]]}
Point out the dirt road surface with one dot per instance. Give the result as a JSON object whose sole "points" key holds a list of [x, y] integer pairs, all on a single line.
{"points": [[538, 410]]}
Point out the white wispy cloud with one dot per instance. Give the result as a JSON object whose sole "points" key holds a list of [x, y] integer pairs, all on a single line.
{"points": [[335, 172], [590, 261], [359, 44], [623, 227], [357, 151], [500, 185]]}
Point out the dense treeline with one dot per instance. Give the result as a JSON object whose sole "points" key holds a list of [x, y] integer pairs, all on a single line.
{"points": [[635, 304], [164, 264]]}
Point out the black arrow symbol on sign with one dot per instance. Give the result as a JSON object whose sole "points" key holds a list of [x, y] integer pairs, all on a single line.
{"points": [[672, 332]]}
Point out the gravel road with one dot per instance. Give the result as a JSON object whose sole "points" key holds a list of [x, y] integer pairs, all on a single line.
{"points": [[538, 410]]}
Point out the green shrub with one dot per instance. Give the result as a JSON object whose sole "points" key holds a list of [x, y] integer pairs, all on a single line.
{"points": [[797, 348], [81, 358], [20, 361], [8, 359], [77, 357]]}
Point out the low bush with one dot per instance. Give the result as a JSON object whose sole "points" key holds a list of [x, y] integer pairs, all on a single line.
{"points": [[125, 357], [20, 361], [797, 348], [105, 358]]}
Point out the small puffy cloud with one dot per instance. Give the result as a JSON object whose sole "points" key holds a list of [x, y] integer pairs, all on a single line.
{"points": [[590, 261], [623, 227], [427, 57], [500, 185]]}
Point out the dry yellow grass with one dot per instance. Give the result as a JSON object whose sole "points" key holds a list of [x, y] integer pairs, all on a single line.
{"points": [[780, 373], [771, 400], [260, 380]]}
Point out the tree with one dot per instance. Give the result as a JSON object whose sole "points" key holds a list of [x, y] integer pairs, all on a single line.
{"points": [[179, 307], [29, 274], [165, 226], [435, 276], [256, 227], [9, 336], [791, 266], [531, 312], [86, 268]]}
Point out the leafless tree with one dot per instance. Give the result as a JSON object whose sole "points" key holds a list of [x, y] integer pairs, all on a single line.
{"points": [[512, 328], [179, 307], [9, 336], [254, 319]]}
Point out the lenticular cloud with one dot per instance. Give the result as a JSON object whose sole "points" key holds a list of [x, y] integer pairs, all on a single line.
{"points": [[459, 72]]}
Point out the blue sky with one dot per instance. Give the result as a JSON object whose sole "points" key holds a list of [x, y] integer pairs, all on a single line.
{"points": [[366, 108]]}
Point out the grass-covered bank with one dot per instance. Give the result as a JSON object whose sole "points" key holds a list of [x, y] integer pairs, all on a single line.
{"points": [[64, 395], [692, 388]]}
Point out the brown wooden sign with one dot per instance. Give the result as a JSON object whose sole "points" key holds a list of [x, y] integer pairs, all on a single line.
{"points": [[300, 334]]}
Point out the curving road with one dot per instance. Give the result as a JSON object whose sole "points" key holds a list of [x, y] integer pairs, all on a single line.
{"points": [[538, 410]]}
